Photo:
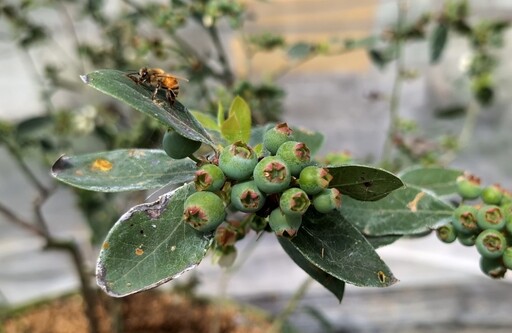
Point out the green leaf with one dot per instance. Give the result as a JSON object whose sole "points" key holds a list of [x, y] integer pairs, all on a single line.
{"points": [[220, 114], [300, 50], [441, 181], [382, 57], [150, 245], [206, 120], [332, 244], [314, 140], [330, 282], [438, 41], [366, 43], [237, 127], [123, 170], [407, 211], [118, 85], [363, 182], [380, 241]]}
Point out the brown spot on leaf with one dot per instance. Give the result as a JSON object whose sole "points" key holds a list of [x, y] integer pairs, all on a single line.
{"points": [[413, 205], [105, 245], [139, 251], [101, 164]]}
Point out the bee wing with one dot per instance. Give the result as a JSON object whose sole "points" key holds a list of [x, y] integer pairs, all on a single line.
{"points": [[173, 76]]}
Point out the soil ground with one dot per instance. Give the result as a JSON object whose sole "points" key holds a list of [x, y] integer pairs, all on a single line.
{"points": [[148, 312]]}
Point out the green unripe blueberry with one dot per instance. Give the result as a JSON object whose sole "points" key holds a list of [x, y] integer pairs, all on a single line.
{"points": [[296, 154], [294, 201], [492, 195], [507, 257], [178, 146], [226, 234], [247, 197], [237, 161], [204, 211], [313, 179], [446, 233], [491, 243], [276, 136], [209, 177], [327, 200], [272, 175], [466, 239], [492, 267], [465, 219], [508, 223], [284, 225], [490, 217], [468, 187]]}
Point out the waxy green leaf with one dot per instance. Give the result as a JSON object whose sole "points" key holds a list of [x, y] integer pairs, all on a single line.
{"points": [[123, 170], [150, 245], [330, 282], [118, 85], [438, 40], [333, 245], [363, 182], [407, 211], [441, 181]]}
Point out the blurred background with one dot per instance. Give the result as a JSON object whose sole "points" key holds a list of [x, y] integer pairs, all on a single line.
{"points": [[371, 75]]}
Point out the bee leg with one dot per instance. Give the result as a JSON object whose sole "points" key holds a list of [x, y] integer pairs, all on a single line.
{"points": [[133, 77], [171, 96], [153, 96]]}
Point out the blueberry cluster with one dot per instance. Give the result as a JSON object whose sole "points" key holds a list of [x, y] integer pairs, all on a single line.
{"points": [[276, 188], [486, 225]]}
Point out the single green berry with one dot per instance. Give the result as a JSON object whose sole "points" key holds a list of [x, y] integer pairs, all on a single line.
{"points": [[492, 195], [276, 136], [465, 219], [468, 186], [177, 146], [296, 155], [491, 243], [209, 177], [272, 175], [204, 211], [507, 197], [446, 233], [237, 161], [507, 257], [490, 217], [294, 201], [508, 223], [327, 200], [247, 197], [466, 239], [226, 234], [284, 225], [314, 179], [492, 267]]}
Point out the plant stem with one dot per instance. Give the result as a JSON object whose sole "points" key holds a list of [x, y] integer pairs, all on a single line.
{"points": [[228, 76], [469, 124], [292, 305], [394, 100]]}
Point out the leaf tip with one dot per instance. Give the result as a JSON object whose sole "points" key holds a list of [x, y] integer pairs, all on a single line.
{"points": [[85, 78], [60, 165]]}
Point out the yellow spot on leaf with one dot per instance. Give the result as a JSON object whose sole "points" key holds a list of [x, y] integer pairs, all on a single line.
{"points": [[101, 165], [382, 276], [139, 251], [413, 205], [136, 153], [105, 245]]}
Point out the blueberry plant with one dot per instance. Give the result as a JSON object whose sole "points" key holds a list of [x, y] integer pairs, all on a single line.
{"points": [[238, 179]]}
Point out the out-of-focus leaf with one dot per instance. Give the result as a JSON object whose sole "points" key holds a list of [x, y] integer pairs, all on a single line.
{"points": [[363, 182], [123, 170], [300, 50], [150, 245], [118, 85], [440, 181], [406, 211], [314, 140], [335, 246], [366, 43], [208, 122], [438, 41]]}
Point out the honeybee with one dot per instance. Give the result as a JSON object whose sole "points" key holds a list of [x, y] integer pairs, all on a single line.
{"points": [[158, 79]]}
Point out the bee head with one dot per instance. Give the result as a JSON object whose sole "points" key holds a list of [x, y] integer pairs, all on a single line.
{"points": [[143, 72]]}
